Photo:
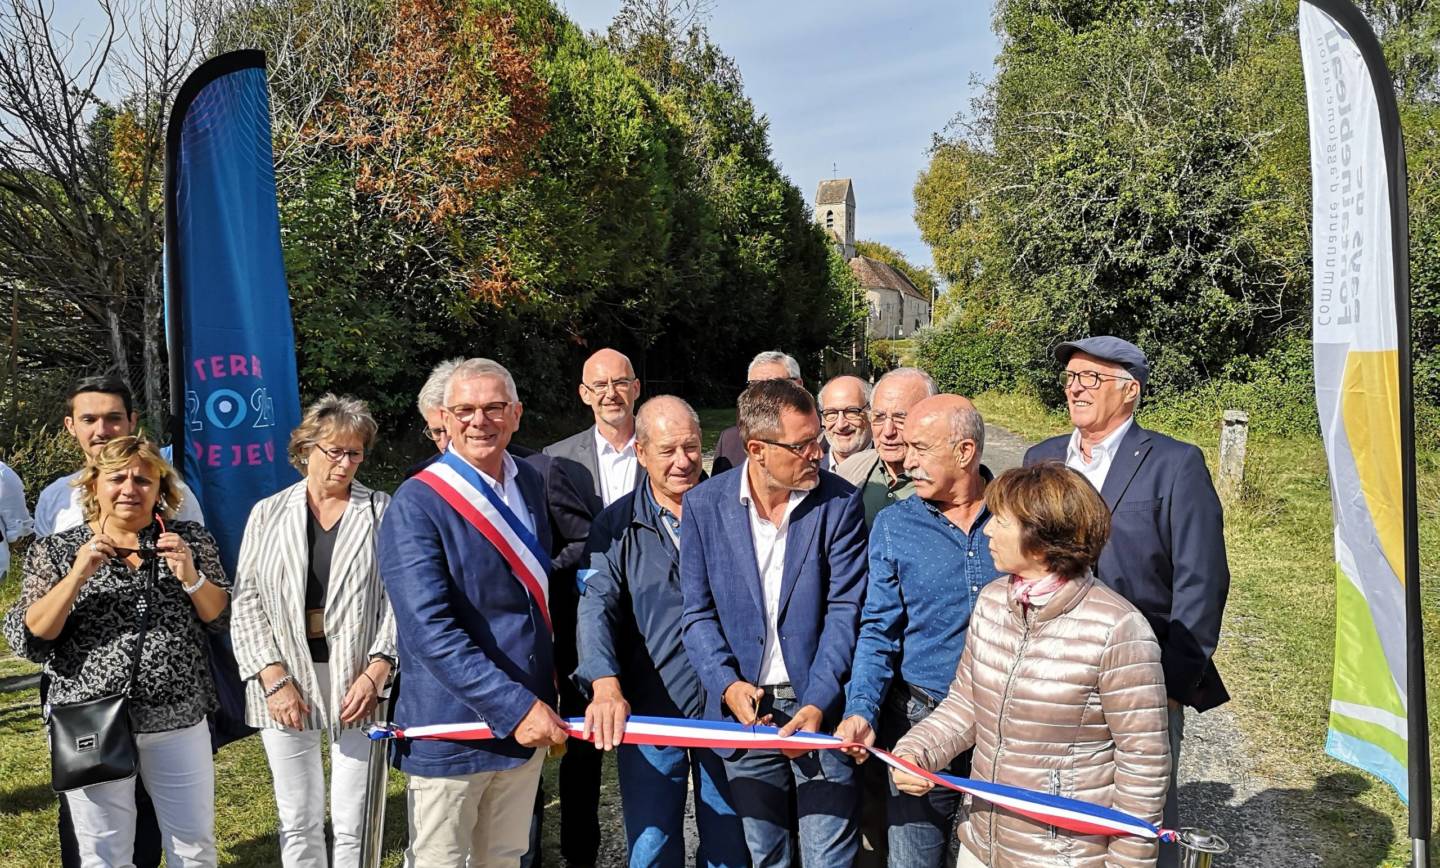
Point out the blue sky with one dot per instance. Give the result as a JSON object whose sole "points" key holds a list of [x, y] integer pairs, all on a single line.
{"points": [[848, 86], [860, 86]]}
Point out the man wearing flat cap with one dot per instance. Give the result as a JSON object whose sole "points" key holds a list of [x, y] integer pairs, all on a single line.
{"points": [[1166, 552]]}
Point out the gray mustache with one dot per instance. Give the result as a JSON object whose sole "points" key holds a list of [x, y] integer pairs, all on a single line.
{"points": [[919, 475]]}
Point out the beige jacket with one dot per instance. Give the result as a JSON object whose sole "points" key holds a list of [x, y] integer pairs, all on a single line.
{"points": [[1070, 701]]}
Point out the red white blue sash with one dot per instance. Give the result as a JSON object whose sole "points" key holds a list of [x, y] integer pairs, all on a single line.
{"points": [[467, 492], [1071, 815]]}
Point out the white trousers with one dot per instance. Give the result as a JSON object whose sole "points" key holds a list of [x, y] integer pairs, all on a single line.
{"points": [[179, 773], [484, 816], [295, 764]]}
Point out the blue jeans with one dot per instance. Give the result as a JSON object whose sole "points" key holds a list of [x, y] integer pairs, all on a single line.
{"points": [[922, 828], [652, 792], [825, 790]]}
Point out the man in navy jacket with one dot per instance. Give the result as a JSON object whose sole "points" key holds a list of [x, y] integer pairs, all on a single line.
{"points": [[632, 659], [1166, 552], [474, 633], [772, 569]]}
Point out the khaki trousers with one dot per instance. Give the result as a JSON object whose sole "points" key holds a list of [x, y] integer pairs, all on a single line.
{"points": [[480, 820]]}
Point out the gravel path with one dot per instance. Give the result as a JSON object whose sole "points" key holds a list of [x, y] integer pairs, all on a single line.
{"points": [[1219, 790]]}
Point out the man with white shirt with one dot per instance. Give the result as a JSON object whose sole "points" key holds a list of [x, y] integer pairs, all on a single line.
{"points": [[772, 572], [1166, 552], [100, 409], [464, 557], [15, 521], [600, 463], [845, 415]]}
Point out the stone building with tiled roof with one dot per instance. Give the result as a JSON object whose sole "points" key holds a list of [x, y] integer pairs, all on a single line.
{"points": [[897, 307]]}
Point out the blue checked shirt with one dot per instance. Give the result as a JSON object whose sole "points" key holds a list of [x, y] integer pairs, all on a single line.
{"points": [[925, 574]]}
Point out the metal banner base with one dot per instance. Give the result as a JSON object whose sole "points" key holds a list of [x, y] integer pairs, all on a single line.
{"points": [[1198, 848]]}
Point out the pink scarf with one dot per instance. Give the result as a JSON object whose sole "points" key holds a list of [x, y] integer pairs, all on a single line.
{"points": [[1022, 590]]}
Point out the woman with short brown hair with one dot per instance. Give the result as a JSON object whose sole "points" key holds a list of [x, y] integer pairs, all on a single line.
{"points": [[313, 631], [1059, 688]]}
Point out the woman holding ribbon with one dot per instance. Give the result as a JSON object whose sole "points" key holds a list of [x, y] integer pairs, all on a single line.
{"points": [[92, 602], [314, 633], [1059, 689]]}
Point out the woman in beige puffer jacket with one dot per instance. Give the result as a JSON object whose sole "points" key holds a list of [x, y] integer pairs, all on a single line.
{"points": [[1059, 688]]}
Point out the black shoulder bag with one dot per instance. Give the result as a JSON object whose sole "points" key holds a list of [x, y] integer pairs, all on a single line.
{"points": [[93, 742]]}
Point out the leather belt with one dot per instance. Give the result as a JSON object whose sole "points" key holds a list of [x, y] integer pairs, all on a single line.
{"points": [[314, 623], [779, 691], [921, 696]]}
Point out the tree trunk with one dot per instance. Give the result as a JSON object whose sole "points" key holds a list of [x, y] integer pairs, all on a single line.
{"points": [[155, 367]]}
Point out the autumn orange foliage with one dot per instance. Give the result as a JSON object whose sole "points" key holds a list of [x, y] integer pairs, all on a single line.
{"points": [[446, 113]]}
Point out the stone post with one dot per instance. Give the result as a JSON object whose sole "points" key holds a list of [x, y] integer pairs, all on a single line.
{"points": [[1233, 433]]}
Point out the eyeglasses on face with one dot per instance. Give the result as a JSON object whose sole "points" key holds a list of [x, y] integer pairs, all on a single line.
{"points": [[812, 447], [338, 455], [858, 415], [433, 434], [1087, 379], [878, 420], [494, 411], [618, 384]]}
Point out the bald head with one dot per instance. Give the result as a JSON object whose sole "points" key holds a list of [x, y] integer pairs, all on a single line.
{"points": [[944, 439], [955, 415], [664, 413], [609, 388], [607, 364], [667, 444]]}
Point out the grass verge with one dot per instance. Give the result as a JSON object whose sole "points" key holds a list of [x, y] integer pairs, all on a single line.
{"points": [[1277, 646]]}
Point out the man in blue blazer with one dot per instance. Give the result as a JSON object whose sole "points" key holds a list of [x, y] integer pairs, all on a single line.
{"points": [[474, 634], [772, 572], [1167, 544]]}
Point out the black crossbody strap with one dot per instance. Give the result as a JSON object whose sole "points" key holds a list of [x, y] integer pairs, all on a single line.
{"points": [[152, 572]]}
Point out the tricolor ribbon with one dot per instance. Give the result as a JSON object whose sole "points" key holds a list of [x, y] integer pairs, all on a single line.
{"points": [[1071, 815]]}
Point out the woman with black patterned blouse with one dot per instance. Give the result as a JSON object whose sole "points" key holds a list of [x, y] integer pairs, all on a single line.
{"points": [[78, 615]]}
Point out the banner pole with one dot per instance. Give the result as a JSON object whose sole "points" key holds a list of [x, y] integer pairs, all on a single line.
{"points": [[1350, 18]]}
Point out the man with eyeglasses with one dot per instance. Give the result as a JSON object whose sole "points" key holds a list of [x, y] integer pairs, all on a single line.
{"points": [[431, 404], [100, 409], [1166, 552], [772, 572], [601, 464], [879, 472], [769, 365], [845, 415], [464, 557]]}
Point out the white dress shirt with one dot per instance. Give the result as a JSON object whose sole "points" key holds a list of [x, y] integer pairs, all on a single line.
{"points": [[15, 522], [1102, 455], [59, 507], [509, 490], [617, 467], [769, 541]]}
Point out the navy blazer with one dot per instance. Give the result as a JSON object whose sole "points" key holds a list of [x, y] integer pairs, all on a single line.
{"points": [[821, 590], [1166, 552], [630, 611], [473, 645]]}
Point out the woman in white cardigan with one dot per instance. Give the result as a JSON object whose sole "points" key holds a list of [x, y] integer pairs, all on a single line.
{"points": [[313, 632]]}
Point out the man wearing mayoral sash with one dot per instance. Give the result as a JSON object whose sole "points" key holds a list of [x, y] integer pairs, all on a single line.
{"points": [[464, 556]]}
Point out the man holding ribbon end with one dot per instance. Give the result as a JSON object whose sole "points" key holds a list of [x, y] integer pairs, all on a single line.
{"points": [[632, 659], [464, 557]]}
